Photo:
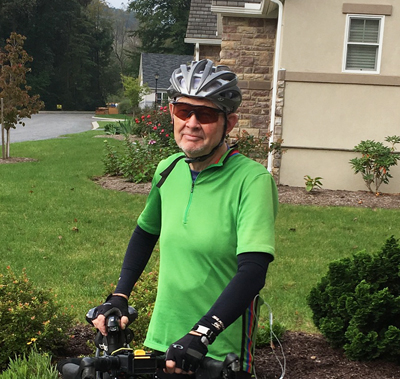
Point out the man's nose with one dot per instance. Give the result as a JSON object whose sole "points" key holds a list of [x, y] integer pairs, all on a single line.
{"points": [[190, 120]]}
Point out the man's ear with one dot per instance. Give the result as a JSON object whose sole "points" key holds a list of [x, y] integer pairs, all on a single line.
{"points": [[232, 120], [171, 107]]}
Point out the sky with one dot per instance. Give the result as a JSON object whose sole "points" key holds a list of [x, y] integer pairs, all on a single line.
{"points": [[117, 3]]}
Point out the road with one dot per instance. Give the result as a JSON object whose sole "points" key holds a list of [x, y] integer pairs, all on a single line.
{"points": [[47, 125]]}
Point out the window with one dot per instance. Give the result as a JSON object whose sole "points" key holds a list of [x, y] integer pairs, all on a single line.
{"points": [[363, 44]]}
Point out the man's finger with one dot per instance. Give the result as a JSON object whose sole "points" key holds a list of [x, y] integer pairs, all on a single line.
{"points": [[100, 323], [170, 367], [124, 322]]}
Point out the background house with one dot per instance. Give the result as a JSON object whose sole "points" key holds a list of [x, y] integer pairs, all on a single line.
{"points": [[321, 75], [155, 70]]}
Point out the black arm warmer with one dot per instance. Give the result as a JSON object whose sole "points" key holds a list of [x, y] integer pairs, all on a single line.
{"points": [[137, 255], [239, 293]]}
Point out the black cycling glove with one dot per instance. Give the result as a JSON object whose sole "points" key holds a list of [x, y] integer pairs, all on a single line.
{"points": [[188, 352], [114, 304]]}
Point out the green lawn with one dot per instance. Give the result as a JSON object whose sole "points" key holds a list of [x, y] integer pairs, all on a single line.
{"points": [[70, 234]]}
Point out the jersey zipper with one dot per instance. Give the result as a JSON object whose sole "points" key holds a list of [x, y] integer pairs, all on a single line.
{"points": [[189, 202], [185, 217]]}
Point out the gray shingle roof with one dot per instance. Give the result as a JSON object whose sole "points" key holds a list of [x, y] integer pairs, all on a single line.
{"points": [[164, 65], [202, 22], [233, 3]]}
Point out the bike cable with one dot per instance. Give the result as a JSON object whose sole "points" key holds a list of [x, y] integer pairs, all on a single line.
{"points": [[273, 336]]}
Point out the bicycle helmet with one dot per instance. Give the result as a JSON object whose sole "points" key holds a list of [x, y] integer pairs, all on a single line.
{"points": [[201, 79]]}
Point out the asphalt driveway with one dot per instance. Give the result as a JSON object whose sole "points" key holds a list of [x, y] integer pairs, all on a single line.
{"points": [[47, 125]]}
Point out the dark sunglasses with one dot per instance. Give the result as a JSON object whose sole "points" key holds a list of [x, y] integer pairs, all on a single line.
{"points": [[204, 114]]}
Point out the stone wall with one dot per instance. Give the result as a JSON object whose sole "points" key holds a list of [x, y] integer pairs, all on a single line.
{"points": [[210, 52], [248, 46]]}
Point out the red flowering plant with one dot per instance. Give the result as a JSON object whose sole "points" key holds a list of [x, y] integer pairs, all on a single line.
{"points": [[139, 158], [157, 125]]}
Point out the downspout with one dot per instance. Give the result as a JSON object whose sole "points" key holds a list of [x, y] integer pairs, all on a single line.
{"points": [[275, 78], [197, 52]]}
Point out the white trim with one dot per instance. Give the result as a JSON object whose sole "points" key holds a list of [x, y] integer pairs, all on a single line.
{"points": [[263, 9], [204, 41], [346, 38], [277, 62]]}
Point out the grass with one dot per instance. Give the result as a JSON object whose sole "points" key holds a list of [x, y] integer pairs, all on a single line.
{"points": [[71, 234]]}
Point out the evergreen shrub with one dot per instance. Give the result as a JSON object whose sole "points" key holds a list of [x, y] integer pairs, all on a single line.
{"points": [[29, 317], [356, 305]]}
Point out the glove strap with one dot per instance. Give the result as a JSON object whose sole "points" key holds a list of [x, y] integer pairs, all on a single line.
{"points": [[205, 332]]}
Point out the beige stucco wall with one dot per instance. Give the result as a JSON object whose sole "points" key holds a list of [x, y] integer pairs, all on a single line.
{"points": [[314, 32], [323, 117], [296, 163], [337, 117]]}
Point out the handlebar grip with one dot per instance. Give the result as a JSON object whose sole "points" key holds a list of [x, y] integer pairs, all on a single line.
{"points": [[92, 314]]}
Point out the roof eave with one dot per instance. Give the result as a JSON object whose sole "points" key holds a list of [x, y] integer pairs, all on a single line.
{"points": [[204, 41], [266, 9]]}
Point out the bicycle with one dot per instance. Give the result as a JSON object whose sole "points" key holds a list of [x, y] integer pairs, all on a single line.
{"points": [[115, 360]]}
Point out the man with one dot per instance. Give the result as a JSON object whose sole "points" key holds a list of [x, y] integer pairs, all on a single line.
{"points": [[213, 210]]}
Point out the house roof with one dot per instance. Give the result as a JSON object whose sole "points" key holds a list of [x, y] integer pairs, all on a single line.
{"points": [[202, 23], [164, 65]]}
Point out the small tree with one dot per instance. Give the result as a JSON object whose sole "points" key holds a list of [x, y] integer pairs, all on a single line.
{"points": [[133, 90], [375, 162], [18, 104]]}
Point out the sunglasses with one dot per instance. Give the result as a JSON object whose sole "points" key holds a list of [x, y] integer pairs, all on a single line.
{"points": [[204, 114]]}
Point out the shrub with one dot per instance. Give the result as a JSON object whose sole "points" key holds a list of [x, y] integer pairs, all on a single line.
{"points": [[111, 160], [375, 162], [142, 299], [33, 366], [138, 160], [28, 314], [357, 304], [125, 107], [256, 148]]}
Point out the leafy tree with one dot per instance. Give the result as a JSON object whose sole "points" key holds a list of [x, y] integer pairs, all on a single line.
{"points": [[162, 25], [18, 104], [133, 90]]}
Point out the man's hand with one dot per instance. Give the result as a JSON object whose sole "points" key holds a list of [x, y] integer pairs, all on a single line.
{"points": [[117, 303], [185, 355]]}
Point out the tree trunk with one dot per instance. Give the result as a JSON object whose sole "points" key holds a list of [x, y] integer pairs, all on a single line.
{"points": [[8, 144], [3, 147]]}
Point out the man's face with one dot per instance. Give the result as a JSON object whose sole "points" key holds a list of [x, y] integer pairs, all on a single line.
{"points": [[196, 137]]}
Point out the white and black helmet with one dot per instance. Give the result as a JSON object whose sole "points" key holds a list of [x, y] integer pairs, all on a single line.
{"points": [[201, 79]]}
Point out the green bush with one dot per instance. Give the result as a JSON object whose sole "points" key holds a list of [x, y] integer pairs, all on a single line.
{"points": [[125, 107], [28, 315], [35, 366], [255, 147], [375, 162], [137, 160], [357, 304], [142, 299]]}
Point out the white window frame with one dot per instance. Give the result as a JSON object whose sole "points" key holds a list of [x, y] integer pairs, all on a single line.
{"points": [[381, 19]]}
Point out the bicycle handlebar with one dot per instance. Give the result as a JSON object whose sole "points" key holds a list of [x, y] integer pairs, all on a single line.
{"points": [[131, 366], [120, 361]]}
